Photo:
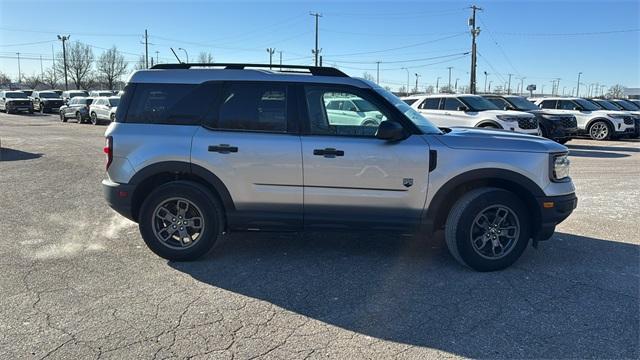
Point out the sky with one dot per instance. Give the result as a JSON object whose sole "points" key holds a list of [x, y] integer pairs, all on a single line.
{"points": [[538, 40]]}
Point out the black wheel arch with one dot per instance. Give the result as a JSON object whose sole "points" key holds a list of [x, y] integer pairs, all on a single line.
{"points": [[484, 123], [154, 175], [435, 216]]}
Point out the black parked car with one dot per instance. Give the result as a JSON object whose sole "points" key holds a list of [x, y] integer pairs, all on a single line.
{"points": [[553, 124], [77, 108], [46, 101]]}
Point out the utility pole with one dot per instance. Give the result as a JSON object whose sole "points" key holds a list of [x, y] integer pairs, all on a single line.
{"points": [[485, 81], [521, 85], [475, 31], [41, 68], [271, 51], [157, 58], [558, 85], [64, 58], [280, 53], [437, 85], [456, 87], [404, 68], [417, 76], [146, 48], [19, 72], [316, 51], [450, 67], [578, 87], [509, 86], [490, 85]]}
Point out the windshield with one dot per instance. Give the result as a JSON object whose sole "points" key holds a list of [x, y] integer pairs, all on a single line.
{"points": [[521, 103], [607, 105], [48, 95], [114, 102], [628, 105], [478, 103], [15, 95], [420, 121], [587, 105], [78, 93]]}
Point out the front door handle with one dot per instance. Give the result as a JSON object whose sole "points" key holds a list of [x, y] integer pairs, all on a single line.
{"points": [[328, 152], [223, 148]]}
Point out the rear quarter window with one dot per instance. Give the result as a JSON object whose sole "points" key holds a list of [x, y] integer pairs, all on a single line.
{"points": [[172, 104]]}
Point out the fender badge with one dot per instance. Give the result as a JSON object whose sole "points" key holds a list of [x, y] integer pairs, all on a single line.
{"points": [[407, 182]]}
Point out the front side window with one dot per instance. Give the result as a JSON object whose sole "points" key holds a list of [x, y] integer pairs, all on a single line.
{"points": [[478, 103], [452, 104], [587, 106], [548, 104], [566, 105], [410, 101], [499, 102], [254, 107], [114, 102], [521, 103], [345, 122]]}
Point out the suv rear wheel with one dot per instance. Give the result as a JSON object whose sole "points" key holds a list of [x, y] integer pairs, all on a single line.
{"points": [[94, 118], [487, 229], [180, 221]]}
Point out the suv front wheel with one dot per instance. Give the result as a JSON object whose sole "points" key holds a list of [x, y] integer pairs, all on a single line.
{"points": [[180, 221], [487, 229]]}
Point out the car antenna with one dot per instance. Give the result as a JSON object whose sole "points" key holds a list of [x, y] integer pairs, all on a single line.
{"points": [[176, 55]]}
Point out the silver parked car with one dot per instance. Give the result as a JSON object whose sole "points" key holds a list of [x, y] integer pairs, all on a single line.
{"points": [[103, 109], [194, 153]]}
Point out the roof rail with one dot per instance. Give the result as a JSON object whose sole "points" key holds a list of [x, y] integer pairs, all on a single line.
{"points": [[314, 70]]}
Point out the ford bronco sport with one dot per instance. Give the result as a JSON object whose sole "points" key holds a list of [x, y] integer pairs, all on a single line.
{"points": [[197, 150]]}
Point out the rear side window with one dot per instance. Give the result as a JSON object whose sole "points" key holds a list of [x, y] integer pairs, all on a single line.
{"points": [[548, 104], [173, 104], [430, 104], [408, 101], [254, 107]]}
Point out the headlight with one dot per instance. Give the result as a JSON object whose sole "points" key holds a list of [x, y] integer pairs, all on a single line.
{"points": [[507, 118], [560, 165], [615, 116]]}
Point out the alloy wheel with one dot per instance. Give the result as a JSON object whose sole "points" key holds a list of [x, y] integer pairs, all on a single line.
{"points": [[599, 131], [178, 223], [494, 232]]}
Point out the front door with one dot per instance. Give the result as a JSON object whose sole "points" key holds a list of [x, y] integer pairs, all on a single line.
{"points": [[351, 178]]}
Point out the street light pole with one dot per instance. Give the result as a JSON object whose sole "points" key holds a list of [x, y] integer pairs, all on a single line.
{"points": [[417, 76], [437, 85], [19, 72], [578, 87], [185, 54], [407, 79], [450, 67], [271, 51], [64, 38], [485, 81], [456, 86]]}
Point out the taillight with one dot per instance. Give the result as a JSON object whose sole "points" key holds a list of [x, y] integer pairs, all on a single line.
{"points": [[108, 150]]}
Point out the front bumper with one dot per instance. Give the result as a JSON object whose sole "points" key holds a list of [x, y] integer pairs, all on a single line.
{"points": [[119, 197], [553, 211]]}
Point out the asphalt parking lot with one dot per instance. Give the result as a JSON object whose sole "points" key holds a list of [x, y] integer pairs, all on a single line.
{"points": [[78, 282]]}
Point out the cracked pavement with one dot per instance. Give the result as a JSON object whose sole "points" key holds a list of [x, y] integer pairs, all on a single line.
{"points": [[78, 282]]}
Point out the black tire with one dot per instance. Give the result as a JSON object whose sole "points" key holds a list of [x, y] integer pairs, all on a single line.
{"points": [[489, 126], [543, 131], [597, 135], [112, 117], [42, 110], [94, 119], [79, 118], [203, 199], [63, 118], [30, 111], [460, 222]]}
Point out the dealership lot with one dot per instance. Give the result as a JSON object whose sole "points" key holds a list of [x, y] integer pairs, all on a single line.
{"points": [[79, 281]]}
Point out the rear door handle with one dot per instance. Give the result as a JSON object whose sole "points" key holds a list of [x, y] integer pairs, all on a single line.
{"points": [[223, 148], [328, 152]]}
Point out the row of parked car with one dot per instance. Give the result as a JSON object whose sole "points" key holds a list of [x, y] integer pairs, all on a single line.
{"points": [[83, 106], [557, 118]]}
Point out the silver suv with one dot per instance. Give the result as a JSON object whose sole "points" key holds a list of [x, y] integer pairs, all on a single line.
{"points": [[196, 151]]}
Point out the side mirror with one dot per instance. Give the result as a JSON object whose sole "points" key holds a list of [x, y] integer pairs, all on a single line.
{"points": [[462, 108], [390, 130], [508, 107], [579, 108]]}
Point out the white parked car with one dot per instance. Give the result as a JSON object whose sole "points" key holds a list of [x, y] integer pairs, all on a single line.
{"points": [[103, 109], [353, 111], [99, 93], [593, 120], [453, 110]]}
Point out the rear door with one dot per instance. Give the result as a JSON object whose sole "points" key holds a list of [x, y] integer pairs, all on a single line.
{"points": [[430, 107], [252, 144], [351, 178], [568, 107]]}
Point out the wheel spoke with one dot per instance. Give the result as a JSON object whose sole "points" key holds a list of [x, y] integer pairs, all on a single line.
{"points": [[183, 207], [483, 221], [500, 218], [194, 223], [169, 231], [165, 214], [509, 232], [480, 241]]}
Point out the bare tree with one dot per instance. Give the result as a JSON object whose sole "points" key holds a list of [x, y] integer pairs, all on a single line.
{"points": [[79, 62], [403, 90], [51, 78], [4, 79], [429, 89], [368, 76], [140, 64], [388, 88], [111, 66], [616, 91], [205, 58], [32, 81]]}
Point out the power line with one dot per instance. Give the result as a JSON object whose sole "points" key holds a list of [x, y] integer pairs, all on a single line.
{"points": [[26, 44], [570, 34], [400, 61], [399, 47], [500, 48]]}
